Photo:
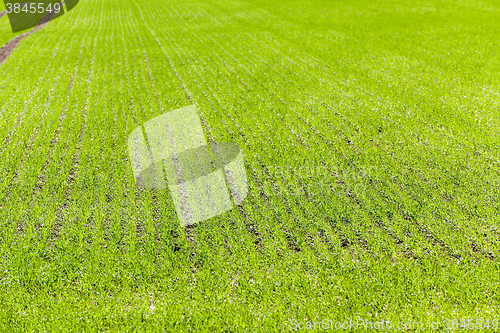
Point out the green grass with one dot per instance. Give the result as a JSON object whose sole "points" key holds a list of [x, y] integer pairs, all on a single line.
{"points": [[6, 32], [391, 105]]}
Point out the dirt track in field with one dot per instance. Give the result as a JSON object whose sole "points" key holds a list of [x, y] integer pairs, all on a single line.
{"points": [[2, 13], [7, 49]]}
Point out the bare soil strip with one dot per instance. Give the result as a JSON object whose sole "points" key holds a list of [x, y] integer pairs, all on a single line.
{"points": [[2, 13], [7, 49]]}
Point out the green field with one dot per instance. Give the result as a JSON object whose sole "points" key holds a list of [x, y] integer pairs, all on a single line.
{"points": [[370, 131]]}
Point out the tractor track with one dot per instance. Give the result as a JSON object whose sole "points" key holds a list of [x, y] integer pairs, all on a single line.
{"points": [[7, 49]]}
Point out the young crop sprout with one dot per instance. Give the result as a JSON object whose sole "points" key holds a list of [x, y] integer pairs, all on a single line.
{"points": [[198, 175]]}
